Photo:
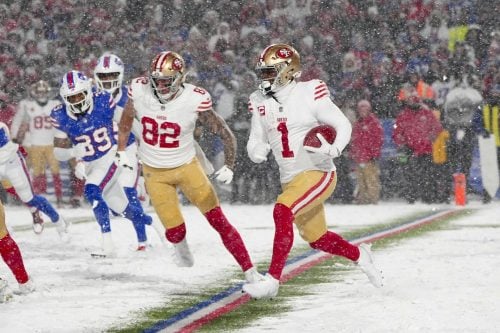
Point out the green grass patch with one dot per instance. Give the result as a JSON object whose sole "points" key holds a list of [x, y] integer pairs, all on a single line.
{"points": [[331, 270]]}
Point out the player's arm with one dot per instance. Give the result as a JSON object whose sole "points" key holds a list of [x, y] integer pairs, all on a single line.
{"points": [[330, 114], [64, 149], [20, 124], [214, 123], [125, 125], [257, 146]]}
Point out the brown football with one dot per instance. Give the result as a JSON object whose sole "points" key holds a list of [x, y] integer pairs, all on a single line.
{"points": [[327, 131]]}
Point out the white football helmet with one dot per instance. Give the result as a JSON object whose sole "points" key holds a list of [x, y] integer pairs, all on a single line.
{"points": [[167, 74], [278, 65], [76, 92], [108, 73]]}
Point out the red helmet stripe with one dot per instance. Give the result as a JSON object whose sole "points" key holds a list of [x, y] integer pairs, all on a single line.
{"points": [[160, 60], [106, 61], [70, 80]]}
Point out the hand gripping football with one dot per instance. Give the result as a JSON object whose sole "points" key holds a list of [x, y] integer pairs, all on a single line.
{"points": [[327, 131]]}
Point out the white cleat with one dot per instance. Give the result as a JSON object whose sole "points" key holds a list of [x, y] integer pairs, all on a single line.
{"points": [[265, 288], [182, 254], [159, 229], [26, 288], [142, 246], [62, 229], [108, 247], [253, 276], [5, 294], [365, 262]]}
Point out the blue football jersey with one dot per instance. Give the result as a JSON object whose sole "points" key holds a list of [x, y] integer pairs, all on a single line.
{"points": [[94, 128], [4, 137]]}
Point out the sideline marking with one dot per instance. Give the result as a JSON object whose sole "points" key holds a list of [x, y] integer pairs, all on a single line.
{"points": [[226, 301]]}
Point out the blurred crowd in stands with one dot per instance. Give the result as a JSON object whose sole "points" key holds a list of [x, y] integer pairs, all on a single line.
{"points": [[381, 59]]}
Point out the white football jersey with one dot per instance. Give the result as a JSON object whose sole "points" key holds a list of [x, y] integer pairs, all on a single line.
{"points": [[8, 149], [166, 139], [284, 120], [38, 117]]}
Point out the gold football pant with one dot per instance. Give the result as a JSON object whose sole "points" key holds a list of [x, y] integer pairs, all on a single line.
{"points": [[162, 184], [40, 157], [305, 196], [3, 227]]}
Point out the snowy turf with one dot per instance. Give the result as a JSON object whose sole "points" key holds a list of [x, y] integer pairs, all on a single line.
{"points": [[442, 281]]}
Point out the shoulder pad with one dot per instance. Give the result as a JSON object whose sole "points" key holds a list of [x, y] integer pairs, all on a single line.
{"points": [[318, 88]]}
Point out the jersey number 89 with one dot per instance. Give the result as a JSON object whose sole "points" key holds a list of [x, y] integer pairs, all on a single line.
{"points": [[99, 140], [168, 136]]}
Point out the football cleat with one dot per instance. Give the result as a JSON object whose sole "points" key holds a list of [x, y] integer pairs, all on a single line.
{"points": [[182, 254], [37, 222], [60, 203], [265, 288], [75, 202], [253, 276], [5, 294], [26, 288], [159, 229], [365, 262], [142, 246], [108, 247], [62, 229]]}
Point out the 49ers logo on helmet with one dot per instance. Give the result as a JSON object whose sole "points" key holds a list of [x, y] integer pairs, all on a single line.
{"points": [[284, 53], [177, 64]]}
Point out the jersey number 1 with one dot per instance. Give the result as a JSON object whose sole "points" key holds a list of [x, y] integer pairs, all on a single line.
{"points": [[286, 152]]}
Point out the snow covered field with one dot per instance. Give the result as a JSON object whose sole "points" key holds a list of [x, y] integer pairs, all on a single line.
{"points": [[442, 281]]}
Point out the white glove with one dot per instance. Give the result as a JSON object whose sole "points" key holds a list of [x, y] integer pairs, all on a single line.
{"points": [[80, 170], [79, 150], [325, 148], [122, 160], [224, 175], [260, 152]]}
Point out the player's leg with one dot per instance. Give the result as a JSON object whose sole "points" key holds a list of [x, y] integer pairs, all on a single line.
{"points": [[129, 177], [35, 213], [199, 191], [128, 180], [117, 201], [19, 178], [311, 222], [163, 194], [11, 255], [77, 186], [55, 169], [100, 174], [38, 169], [300, 196]]}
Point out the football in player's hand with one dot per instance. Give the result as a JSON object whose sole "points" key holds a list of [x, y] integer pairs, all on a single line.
{"points": [[327, 131]]}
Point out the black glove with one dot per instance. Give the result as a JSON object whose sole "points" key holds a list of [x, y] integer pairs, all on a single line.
{"points": [[486, 134]]}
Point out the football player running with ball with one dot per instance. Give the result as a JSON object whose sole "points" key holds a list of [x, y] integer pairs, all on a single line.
{"points": [[283, 112], [168, 110]]}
